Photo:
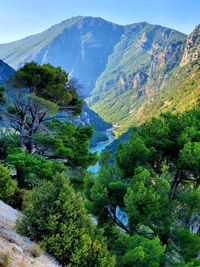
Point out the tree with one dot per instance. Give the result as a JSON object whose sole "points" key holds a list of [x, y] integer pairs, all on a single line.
{"points": [[66, 142], [39, 93], [31, 169], [159, 171], [55, 215], [143, 252], [131, 155], [188, 243], [105, 195], [147, 202], [8, 141], [189, 160]]}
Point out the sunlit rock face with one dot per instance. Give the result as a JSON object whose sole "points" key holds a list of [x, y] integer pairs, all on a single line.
{"points": [[192, 47]]}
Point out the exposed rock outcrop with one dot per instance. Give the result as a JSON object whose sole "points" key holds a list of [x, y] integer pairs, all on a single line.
{"points": [[192, 47], [18, 249]]}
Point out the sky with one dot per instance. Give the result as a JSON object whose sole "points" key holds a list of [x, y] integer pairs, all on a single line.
{"points": [[20, 18]]}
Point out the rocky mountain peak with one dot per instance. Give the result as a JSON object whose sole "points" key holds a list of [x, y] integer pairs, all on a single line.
{"points": [[192, 47]]}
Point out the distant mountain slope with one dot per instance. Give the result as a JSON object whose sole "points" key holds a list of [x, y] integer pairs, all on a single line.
{"points": [[80, 45], [84, 47], [5, 72], [192, 47], [163, 76], [129, 73]]}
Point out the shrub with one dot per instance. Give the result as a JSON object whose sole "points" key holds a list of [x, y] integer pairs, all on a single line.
{"points": [[55, 216], [8, 186]]}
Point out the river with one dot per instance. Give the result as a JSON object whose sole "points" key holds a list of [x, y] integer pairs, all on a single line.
{"points": [[100, 147], [121, 215]]}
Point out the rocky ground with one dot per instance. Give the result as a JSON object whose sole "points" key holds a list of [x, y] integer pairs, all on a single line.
{"points": [[16, 250]]}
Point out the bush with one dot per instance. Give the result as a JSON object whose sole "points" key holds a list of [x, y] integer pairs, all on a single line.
{"points": [[55, 216], [8, 186], [8, 141], [31, 169]]}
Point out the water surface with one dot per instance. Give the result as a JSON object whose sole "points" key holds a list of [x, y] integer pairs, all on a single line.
{"points": [[100, 147]]}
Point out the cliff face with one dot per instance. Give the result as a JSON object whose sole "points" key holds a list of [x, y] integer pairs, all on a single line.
{"points": [[191, 50]]}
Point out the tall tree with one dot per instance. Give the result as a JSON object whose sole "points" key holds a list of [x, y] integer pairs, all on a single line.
{"points": [[39, 92]]}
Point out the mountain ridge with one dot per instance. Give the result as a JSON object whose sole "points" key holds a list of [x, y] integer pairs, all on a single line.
{"points": [[123, 69], [85, 31]]}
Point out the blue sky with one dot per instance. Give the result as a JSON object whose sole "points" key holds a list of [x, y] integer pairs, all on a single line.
{"points": [[20, 18]]}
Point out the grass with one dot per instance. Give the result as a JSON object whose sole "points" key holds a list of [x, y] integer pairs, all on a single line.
{"points": [[35, 251], [4, 259]]}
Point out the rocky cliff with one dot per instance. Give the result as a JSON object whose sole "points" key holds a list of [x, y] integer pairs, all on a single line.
{"points": [[191, 50]]}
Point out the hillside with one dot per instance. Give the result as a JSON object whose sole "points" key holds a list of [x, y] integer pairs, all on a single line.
{"points": [[19, 249], [165, 80], [80, 45], [5, 72]]}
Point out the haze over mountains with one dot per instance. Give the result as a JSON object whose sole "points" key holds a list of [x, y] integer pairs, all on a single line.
{"points": [[5, 72], [129, 73]]}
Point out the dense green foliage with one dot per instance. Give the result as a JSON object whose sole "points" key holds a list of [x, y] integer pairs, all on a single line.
{"points": [[39, 92], [144, 202], [67, 142], [139, 251], [44, 155], [7, 185], [58, 219], [151, 193], [30, 169], [47, 82]]}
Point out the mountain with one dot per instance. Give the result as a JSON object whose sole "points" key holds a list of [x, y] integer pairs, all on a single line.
{"points": [[154, 75], [129, 73], [178, 92], [192, 47], [136, 70], [5, 72], [80, 45], [180, 89]]}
